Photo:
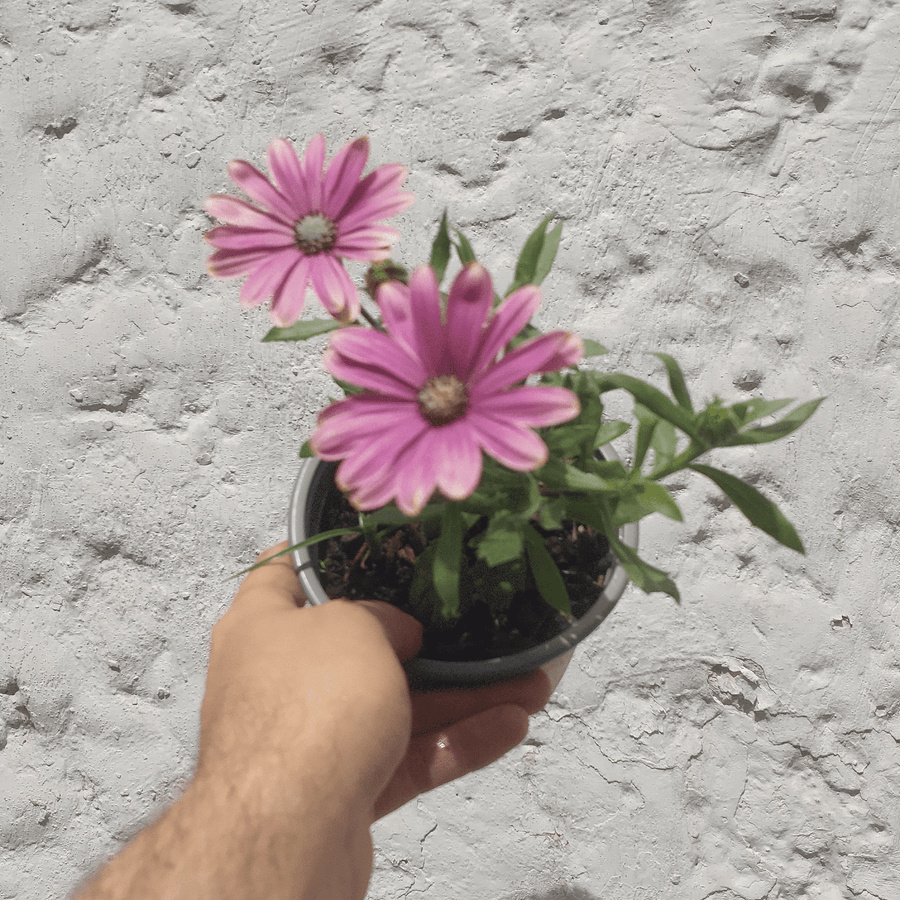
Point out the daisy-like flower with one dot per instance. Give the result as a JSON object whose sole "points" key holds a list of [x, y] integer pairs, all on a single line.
{"points": [[435, 394], [304, 223]]}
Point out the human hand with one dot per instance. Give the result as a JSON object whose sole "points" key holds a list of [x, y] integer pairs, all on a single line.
{"points": [[312, 704]]}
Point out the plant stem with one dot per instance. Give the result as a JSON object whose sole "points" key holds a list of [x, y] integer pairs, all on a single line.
{"points": [[687, 456], [369, 318]]}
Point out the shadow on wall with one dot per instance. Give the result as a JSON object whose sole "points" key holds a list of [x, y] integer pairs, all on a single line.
{"points": [[563, 892]]}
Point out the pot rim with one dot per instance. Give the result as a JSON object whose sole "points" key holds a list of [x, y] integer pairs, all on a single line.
{"points": [[303, 504]]}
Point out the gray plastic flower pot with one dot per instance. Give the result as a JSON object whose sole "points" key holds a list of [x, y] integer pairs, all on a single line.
{"points": [[311, 492]]}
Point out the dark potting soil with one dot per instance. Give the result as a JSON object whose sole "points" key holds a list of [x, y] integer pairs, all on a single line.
{"points": [[349, 571]]}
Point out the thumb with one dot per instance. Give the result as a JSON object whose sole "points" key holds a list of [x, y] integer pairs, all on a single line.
{"points": [[402, 631]]}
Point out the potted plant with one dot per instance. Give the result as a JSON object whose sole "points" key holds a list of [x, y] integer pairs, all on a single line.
{"points": [[466, 475]]}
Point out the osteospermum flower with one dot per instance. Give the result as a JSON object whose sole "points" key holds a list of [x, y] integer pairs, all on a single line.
{"points": [[435, 394], [304, 223]]}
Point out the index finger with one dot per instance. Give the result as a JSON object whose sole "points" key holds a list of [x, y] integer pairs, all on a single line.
{"points": [[273, 585]]}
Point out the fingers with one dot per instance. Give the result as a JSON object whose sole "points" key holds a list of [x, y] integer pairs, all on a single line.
{"points": [[402, 630], [440, 757], [273, 585], [440, 708]]}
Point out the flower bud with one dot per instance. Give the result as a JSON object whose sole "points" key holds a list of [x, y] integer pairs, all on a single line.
{"points": [[381, 272]]}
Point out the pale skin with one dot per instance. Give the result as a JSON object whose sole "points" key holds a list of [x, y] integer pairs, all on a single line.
{"points": [[308, 735]]}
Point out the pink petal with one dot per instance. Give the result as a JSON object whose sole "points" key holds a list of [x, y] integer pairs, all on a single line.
{"points": [[536, 407], [377, 237], [234, 263], [334, 287], [416, 476], [289, 296], [468, 304], [363, 352], [239, 212], [384, 382], [355, 420], [458, 456], [343, 175], [268, 275], [514, 446], [510, 318], [311, 171], [239, 237], [285, 169], [568, 353], [256, 186], [376, 197], [428, 332], [394, 302], [518, 364]]}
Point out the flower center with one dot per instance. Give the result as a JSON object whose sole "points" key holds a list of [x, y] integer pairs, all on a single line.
{"points": [[315, 233], [443, 400]]}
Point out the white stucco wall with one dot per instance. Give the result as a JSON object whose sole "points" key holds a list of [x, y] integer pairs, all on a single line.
{"points": [[742, 745]]}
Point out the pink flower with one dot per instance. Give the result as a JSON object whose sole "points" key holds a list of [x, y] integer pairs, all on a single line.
{"points": [[303, 225], [435, 395]]}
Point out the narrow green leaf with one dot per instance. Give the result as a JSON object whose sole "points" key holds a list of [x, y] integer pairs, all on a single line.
{"points": [[547, 255], [447, 561], [750, 410], [650, 498], [302, 331], [642, 441], [664, 444], [648, 578], [315, 539], [560, 476], [653, 398], [592, 348], [760, 511], [306, 451], [546, 574], [676, 382], [440, 250], [783, 427], [609, 431], [464, 248], [526, 264]]}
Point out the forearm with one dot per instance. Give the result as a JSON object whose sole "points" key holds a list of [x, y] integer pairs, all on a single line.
{"points": [[240, 843]]}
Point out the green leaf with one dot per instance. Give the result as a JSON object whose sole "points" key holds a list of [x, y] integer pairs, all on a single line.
{"points": [[592, 348], [302, 331], [448, 560], [761, 512], [560, 476], [315, 539], [502, 541], [527, 263], [464, 248], [646, 427], [306, 451], [648, 578], [546, 574], [676, 382], [783, 427], [750, 410], [551, 514], [649, 498], [609, 431], [653, 398], [664, 444], [547, 255], [440, 250]]}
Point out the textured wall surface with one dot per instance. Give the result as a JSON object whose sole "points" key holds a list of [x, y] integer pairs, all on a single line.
{"points": [[728, 177]]}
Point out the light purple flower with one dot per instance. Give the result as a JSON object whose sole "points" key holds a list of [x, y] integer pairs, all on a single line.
{"points": [[304, 223], [435, 394]]}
